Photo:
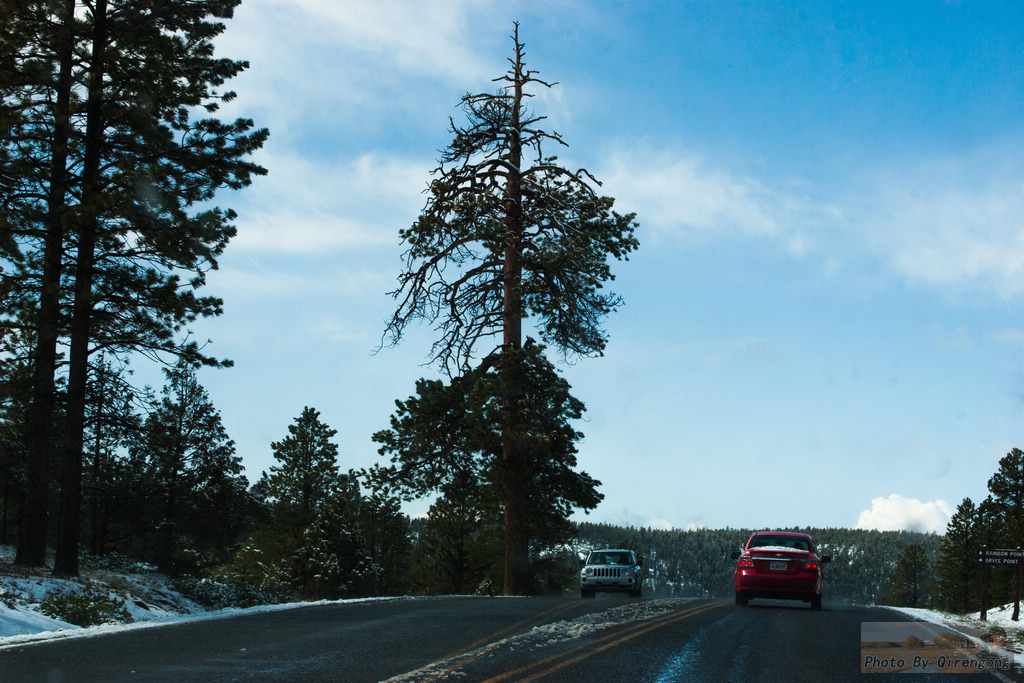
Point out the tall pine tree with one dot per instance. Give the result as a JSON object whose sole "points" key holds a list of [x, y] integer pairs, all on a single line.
{"points": [[116, 160], [306, 474], [37, 80], [957, 567], [508, 233], [911, 580], [1007, 489]]}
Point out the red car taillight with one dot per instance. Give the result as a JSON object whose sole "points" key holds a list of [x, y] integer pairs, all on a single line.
{"points": [[746, 563], [811, 565]]}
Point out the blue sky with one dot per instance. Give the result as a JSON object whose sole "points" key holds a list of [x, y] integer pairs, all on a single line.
{"points": [[823, 321]]}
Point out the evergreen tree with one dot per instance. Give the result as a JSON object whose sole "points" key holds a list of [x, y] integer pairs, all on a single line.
{"points": [[15, 378], [506, 234], [108, 201], [111, 423], [333, 561], [37, 45], [386, 537], [146, 163], [911, 579], [457, 545], [451, 434], [1003, 514], [306, 475], [957, 565], [317, 533], [1007, 489], [192, 478]]}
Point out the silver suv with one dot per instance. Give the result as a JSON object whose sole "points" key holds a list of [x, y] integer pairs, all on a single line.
{"points": [[611, 569]]}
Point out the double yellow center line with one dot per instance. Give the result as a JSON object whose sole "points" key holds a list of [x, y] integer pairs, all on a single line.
{"points": [[549, 665], [476, 649]]}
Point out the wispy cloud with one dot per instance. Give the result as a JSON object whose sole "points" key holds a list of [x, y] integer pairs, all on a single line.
{"points": [[344, 60], [332, 329], [260, 280], [954, 222], [675, 193], [307, 206], [417, 37], [257, 281]]}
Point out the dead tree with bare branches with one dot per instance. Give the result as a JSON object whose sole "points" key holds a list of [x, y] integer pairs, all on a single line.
{"points": [[508, 234]]}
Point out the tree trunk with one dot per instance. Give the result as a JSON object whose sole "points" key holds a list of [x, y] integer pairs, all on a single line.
{"points": [[41, 436], [97, 470], [66, 560], [517, 533], [166, 551], [7, 498]]}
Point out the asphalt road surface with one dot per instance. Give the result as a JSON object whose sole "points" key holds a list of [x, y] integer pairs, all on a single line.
{"points": [[483, 639]]}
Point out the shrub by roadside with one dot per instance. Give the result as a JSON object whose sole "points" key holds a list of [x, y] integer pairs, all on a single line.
{"points": [[213, 594], [88, 607]]}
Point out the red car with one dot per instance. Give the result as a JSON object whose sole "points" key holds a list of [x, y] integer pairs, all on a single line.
{"points": [[781, 565]]}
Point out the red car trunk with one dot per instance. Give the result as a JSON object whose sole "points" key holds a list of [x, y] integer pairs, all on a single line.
{"points": [[779, 565]]}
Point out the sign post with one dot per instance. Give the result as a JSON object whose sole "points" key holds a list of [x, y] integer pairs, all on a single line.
{"points": [[1006, 558], [1016, 591], [984, 582]]}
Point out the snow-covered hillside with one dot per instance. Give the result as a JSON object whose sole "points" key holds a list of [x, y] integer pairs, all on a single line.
{"points": [[147, 596]]}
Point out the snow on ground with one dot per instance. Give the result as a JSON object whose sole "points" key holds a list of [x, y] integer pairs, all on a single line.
{"points": [[19, 622], [147, 597], [149, 600], [598, 621], [998, 634], [971, 625]]}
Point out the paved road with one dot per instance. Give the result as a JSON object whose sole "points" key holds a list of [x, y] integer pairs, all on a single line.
{"points": [[481, 639]]}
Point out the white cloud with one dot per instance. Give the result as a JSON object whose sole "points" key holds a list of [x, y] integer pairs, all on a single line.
{"points": [[910, 514], [317, 63], [331, 329], [307, 206], [953, 222], [956, 222], [311, 231], [259, 280], [674, 193], [417, 37]]}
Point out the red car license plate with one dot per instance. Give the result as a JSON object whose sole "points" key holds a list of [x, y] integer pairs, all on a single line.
{"points": [[778, 566]]}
